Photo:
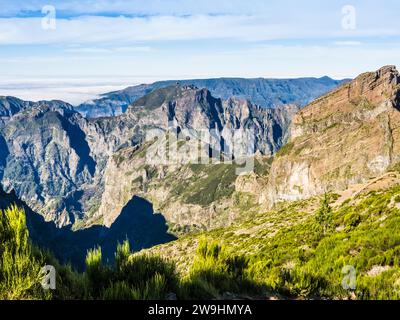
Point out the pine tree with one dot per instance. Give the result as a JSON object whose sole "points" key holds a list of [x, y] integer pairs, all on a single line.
{"points": [[324, 215]]}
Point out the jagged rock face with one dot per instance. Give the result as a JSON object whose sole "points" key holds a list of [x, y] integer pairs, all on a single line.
{"points": [[48, 158], [190, 196], [54, 158], [187, 108], [60, 163], [345, 137], [270, 126]]}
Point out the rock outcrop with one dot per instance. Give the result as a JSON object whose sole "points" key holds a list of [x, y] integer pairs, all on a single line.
{"points": [[347, 136], [54, 158], [188, 108], [60, 163]]}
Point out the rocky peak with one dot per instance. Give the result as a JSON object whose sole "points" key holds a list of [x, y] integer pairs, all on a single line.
{"points": [[366, 96], [187, 106], [9, 106], [344, 137], [375, 85]]}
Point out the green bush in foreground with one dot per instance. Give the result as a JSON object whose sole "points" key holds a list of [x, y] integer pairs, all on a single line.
{"points": [[132, 277], [20, 262], [216, 271]]}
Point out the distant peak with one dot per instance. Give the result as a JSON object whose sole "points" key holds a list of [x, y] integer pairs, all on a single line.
{"points": [[325, 78]]}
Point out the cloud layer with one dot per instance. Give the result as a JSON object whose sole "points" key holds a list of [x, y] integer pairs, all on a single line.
{"points": [[159, 39]]}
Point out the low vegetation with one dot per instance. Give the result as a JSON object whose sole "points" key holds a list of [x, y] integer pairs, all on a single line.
{"points": [[346, 252]]}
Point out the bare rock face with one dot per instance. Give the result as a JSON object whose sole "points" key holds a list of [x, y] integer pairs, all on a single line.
{"points": [[345, 137], [70, 168], [53, 158], [270, 126], [187, 108], [46, 156]]}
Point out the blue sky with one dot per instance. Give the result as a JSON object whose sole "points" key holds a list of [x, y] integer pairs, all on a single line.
{"points": [[147, 40]]}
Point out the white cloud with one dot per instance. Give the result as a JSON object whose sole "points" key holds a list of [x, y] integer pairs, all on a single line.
{"points": [[88, 50], [107, 50], [276, 61], [124, 30], [132, 49], [190, 38], [347, 43], [72, 90]]}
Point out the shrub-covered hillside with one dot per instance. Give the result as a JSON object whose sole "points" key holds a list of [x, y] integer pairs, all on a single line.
{"points": [[312, 248], [319, 248]]}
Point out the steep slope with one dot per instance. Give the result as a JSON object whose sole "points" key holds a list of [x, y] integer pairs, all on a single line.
{"points": [[268, 93], [345, 137], [56, 160], [189, 107], [284, 250], [189, 194], [43, 152]]}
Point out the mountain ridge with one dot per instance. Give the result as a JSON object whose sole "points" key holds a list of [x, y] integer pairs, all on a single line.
{"points": [[55, 158], [347, 136], [268, 93], [91, 173]]}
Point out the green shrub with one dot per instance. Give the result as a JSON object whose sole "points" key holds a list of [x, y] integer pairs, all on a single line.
{"points": [[20, 262], [215, 270], [324, 216]]}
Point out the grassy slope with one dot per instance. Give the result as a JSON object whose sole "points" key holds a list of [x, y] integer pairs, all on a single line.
{"points": [[281, 253], [288, 255]]}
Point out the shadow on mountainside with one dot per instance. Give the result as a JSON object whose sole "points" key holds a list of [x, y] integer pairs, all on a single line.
{"points": [[137, 222], [80, 145], [4, 152]]}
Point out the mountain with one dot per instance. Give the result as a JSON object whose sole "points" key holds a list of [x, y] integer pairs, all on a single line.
{"points": [[284, 250], [78, 171], [327, 205], [323, 194], [59, 162], [347, 136], [192, 110], [53, 158], [267, 93]]}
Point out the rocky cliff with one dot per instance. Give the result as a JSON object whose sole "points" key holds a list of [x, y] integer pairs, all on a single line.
{"points": [[188, 193], [61, 163], [54, 158], [347, 136]]}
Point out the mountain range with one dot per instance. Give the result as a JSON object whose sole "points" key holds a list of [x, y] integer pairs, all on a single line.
{"points": [[55, 159], [86, 175], [267, 93]]}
